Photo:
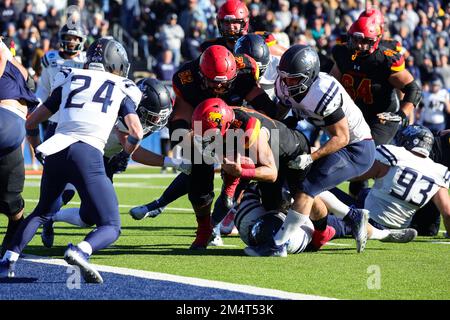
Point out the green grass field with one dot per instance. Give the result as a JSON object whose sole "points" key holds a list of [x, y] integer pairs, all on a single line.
{"points": [[418, 270]]}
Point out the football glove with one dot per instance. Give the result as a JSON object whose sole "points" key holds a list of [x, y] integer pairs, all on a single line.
{"points": [[119, 162], [398, 116], [302, 162], [178, 164]]}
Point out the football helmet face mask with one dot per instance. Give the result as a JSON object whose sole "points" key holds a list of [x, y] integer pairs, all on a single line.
{"points": [[106, 54], [366, 32], [71, 39], [230, 14], [256, 225], [155, 106], [217, 69], [416, 138], [298, 69], [254, 46]]}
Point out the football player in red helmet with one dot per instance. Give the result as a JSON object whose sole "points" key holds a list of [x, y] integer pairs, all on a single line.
{"points": [[218, 69], [233, 22], [372, 71], [217, 73]]}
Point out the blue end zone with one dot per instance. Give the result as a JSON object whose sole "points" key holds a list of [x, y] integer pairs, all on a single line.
{"points": [[40, 281]]}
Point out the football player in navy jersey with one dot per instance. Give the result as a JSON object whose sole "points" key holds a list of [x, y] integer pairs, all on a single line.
{"points": [[89, 101], [15, 99]]}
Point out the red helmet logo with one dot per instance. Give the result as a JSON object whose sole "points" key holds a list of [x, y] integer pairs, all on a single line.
{"points": [[233, 11], [212, 113]]}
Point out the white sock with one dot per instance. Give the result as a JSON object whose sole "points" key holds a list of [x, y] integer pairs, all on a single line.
{"points": [[85, 247], [378, 234], [335, 205], [11, 256], [70, 215], [293, 221]]}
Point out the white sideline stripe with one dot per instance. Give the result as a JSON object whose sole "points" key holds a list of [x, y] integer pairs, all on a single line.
{"points": [[188, 280], [440, 242], [120, 205]]}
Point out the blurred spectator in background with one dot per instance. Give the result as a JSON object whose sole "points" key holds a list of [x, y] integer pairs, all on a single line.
{"points": [[413, 69], [192, 17], [435, 106], [192, 44], [444, 71], [170, 37], [165, 68], [8, 13], [284, 15]]}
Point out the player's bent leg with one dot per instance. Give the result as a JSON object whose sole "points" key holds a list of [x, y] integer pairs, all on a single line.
{"points": [[177, 188]]}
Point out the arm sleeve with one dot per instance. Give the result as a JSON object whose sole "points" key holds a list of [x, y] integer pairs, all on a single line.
{"points": [[54, 101], [126, 107], [334, 117]]}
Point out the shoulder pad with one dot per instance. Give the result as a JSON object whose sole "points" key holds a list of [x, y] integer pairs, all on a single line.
{"points": [[130, 89], [246, 64], [61, 77], [184, 76], [396, 61], [50, 59]]}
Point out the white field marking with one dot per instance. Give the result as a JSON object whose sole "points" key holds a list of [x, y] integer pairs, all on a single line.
{"points": [[128, 185], [76, 203], [188, 280], [440, 242], [128, 176], [337, 244]]}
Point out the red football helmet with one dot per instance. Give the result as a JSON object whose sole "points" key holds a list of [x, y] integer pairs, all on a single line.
{"points": [[231, 12], [218, 69], [212, 113], [366, 32]]}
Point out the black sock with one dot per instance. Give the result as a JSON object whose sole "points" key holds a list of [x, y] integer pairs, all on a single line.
{"points": [[10, 231], [321, 224], [178, 188]]}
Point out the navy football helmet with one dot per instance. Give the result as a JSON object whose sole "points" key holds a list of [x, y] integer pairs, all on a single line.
{"points": [[254, 46], [107, 54], [155, 106], [298, 62], [416, 138]]}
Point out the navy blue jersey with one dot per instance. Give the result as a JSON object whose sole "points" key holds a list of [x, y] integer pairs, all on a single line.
{"points": [[14, 87]]}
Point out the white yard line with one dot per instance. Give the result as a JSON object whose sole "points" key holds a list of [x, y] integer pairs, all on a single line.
{"points": [[188, 280], [120, 205]]}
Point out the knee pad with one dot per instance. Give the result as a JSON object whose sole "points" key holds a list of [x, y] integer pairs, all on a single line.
{"points": [[201, 200], [12, 204]]}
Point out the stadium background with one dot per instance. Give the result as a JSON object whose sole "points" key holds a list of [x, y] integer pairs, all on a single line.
{"points": [[160, 34]]}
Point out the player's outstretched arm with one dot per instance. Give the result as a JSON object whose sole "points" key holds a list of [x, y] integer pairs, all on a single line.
{"points": [[442, 200], [136, 133]]}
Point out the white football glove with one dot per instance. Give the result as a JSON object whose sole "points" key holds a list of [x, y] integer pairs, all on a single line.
{"points": [[389, 116], [302, 162], [178, 164]]}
